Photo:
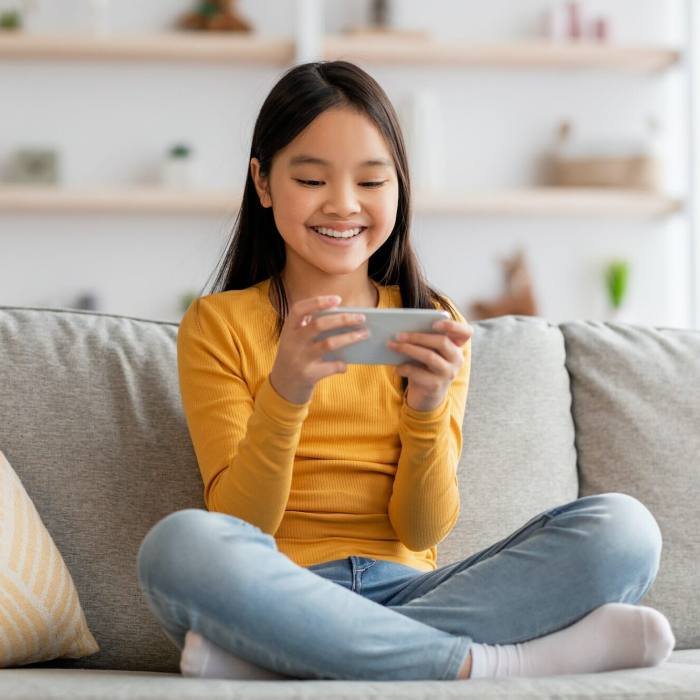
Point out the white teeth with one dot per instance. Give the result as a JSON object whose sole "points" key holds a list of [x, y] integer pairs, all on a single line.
{"points": [[337, 234]]}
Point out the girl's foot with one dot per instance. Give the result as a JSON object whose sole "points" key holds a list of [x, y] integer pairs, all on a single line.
{"points": [[204, 659], [613, 636]]}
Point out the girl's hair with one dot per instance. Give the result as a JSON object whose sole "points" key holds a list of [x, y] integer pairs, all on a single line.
{"points": [[256, 248]]}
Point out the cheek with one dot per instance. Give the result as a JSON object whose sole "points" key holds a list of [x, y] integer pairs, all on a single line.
{"points": [[292, 206], [386, 211]]}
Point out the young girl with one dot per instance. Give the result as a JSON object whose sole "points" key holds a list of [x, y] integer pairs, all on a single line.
{"points": [[328, 487]]}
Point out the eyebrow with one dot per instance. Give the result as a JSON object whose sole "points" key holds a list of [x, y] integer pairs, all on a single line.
{"points": [[297, 160]]}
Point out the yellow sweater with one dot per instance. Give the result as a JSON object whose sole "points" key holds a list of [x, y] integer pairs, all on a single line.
{"points": [[355, 471]]}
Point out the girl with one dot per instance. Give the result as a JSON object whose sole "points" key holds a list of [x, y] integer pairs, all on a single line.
{"points": [[328, 487]]}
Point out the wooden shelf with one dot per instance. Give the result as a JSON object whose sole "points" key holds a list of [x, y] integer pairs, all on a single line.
{"points": [[116, 200], [550, 201], [190, 46], [522, 54], [383, 49], [508, 202]]}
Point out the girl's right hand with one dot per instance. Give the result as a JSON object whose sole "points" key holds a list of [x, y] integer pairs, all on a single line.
{"points": [[298, 365]]}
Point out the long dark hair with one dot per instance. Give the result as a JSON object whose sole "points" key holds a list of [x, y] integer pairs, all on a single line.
{"points": [[256, 248]]}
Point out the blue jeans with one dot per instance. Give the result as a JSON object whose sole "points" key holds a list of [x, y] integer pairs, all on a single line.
{"points": [[364, 619]]}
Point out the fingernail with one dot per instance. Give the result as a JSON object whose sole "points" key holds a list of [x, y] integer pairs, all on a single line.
{"points": [[401, 336]]}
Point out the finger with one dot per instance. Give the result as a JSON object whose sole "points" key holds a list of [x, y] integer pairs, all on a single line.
{"points": [[339, 320], [437, 341], [431, 359], [337, 341], [458, 332], [306, 307], [418, 375]]}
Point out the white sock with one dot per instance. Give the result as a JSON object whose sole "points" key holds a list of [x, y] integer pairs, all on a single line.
{"points": [[204, 659], [613, 636]]}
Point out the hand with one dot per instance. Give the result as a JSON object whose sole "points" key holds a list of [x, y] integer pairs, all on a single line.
{"points": [[439, 357], [299, 363]]}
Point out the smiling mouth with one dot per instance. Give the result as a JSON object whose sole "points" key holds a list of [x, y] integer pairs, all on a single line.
{"points": [[337, 237]]}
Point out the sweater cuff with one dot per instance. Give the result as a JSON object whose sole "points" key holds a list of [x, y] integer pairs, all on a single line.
{"points": [[423, 419], [278, 409]]}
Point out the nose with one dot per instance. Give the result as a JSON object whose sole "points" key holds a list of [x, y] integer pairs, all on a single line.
{"points": [[342, 200]]}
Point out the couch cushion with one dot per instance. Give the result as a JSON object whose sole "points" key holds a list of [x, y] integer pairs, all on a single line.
{"points": [[518, 457], [92, 424], [637, 413], [678, 678]]}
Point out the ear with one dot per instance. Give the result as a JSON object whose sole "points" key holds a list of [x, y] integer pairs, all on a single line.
{"points": [[261, 183]]}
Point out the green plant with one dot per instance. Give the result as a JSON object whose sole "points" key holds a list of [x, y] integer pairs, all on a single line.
{"points": [[616, 278], [207, 8], [186, 298], [180, 150], [10, 20]]}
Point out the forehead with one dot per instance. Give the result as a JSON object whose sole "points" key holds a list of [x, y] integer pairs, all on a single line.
{"points": [[339, 136]]}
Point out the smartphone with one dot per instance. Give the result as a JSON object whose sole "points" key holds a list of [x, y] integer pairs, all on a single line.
{"points": [[383, 325]]}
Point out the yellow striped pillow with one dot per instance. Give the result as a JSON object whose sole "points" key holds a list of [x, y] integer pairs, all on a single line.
{"points": [[40, 614]]}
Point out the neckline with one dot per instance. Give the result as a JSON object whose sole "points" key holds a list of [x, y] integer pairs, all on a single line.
{"points": [[265, 285]]}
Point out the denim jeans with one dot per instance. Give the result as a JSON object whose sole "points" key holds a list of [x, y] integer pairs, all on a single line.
{"points": [[359, 618]]}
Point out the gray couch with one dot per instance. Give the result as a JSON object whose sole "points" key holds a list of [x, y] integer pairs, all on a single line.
{"points": [[90, 418]]}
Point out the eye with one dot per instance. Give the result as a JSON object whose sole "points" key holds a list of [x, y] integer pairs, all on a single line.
{"points": [[312, 183], [317, 183]]}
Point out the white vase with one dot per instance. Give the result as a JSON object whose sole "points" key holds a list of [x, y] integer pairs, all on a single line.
{"points": [[621, 314], [99, 17], [421, 123], [178, 172]]}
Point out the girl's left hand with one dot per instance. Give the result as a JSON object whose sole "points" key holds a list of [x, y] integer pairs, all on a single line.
{"points": [[439, 357]]}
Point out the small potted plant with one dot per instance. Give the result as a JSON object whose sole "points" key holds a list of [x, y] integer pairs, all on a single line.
{"points": [[616, 282], [10, 20], [178, 168], [186, 299]]}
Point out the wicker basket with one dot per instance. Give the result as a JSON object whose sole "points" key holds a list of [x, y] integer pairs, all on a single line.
{"points": [[635, 172]]}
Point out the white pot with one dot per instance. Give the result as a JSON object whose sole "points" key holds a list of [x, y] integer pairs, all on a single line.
{"points": [[178, 172], [621, 314], [99, 17]]}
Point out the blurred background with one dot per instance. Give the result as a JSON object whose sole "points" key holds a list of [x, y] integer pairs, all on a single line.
{"points": [[552, 146]]}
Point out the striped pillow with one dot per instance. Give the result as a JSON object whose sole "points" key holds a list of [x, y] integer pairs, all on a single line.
{"points": [[40, 614]]}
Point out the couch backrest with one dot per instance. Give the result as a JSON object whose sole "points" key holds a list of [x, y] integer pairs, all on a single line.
{"points": [[636, 406], [92, 423], [518, 456]]}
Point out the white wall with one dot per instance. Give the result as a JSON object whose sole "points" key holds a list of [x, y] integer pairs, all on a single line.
{"points": [[113, 120]]}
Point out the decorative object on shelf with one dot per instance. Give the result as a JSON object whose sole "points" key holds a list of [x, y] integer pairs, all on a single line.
{"points": [[379, 11], [10, 20], [380, 25], [35, 166], [617, 161], [568, 21], [87, 301], [421, 122], [178, 167], [616, 284], [99, 17], [519, 297], [186, 298], [215, 16]]}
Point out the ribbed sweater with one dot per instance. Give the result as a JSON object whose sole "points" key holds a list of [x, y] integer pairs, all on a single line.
{"points": [[354, 471]]}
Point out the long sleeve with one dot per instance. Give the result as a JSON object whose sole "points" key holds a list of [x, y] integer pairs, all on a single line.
{"points": [[244, 446], [425, 504]]}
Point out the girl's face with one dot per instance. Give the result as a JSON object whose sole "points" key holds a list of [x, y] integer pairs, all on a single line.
{"points": [[337, 173]]}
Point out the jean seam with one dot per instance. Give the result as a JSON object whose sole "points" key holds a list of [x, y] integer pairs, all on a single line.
{"points": [[214, 622], [456, 659]]}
